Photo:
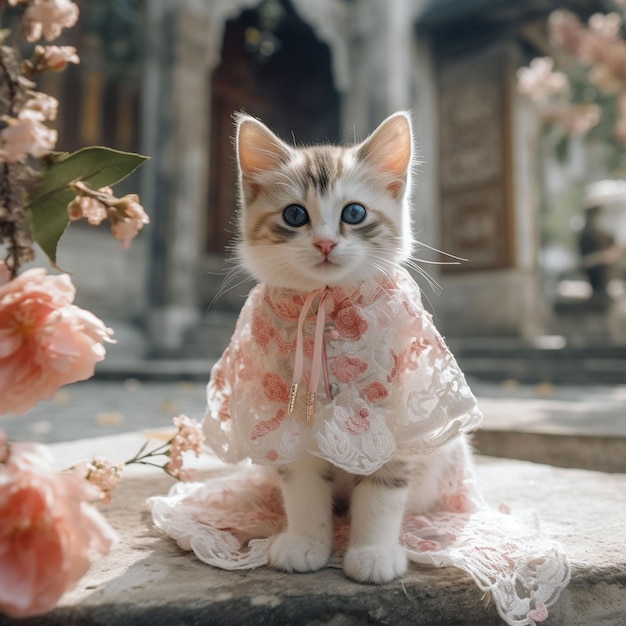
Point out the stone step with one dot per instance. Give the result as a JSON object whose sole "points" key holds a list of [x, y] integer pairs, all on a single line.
{"points": [[546, 359], [579, 427], [600, 453], [210, 337], [148, 580]]}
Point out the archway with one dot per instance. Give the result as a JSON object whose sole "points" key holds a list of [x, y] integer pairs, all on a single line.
{"points": [[274, 67]]}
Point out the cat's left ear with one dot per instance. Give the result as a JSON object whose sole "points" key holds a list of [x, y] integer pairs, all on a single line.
{"points": [[389, 150]]}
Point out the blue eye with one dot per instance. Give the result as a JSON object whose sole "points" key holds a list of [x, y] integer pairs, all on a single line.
{"points": [[353, 213], [295, 215]]}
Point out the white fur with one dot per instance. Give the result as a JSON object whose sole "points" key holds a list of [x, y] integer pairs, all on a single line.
{"points": [[307, 543]]}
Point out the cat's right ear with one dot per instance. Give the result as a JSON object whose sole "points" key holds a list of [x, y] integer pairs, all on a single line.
{"points": [[259, 150]]}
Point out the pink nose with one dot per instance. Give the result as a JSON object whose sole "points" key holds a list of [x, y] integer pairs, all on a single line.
{"points": [[326, 246]]}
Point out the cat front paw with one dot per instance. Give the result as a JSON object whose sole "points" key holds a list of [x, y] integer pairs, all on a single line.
{"points": [[297, 553], [375, 564]]}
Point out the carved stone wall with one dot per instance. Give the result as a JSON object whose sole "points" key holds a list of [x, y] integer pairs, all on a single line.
{"points": [[486, 201], [475, 160]]}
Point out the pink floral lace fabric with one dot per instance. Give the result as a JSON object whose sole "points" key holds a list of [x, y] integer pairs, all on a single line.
{"points": [[391, 384], [229, 523]]}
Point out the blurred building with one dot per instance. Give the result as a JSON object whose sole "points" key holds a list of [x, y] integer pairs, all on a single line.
{"points": [[327, 70]]}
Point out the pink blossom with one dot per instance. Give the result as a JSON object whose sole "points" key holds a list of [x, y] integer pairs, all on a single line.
{"points": [[540, 82], [47, 530], [567, 31], [45, 105], [90, 208], [45, 340], [189, 438], [93, 209], [56, 58], [48, 18], [607, 26], [580, 119], [127, 218], [101, 473], [26, 135]]}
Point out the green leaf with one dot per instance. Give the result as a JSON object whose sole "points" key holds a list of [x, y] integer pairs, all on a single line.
{"points": [[47, 208]]}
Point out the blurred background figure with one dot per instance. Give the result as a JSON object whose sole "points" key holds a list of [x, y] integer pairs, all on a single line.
{"points": [[598, 252]]}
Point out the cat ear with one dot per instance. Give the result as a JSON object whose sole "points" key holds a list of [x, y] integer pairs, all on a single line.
{"points": [[258, 148], [389, 150]]}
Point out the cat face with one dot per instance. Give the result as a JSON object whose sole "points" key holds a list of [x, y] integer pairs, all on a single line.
{"points": [[323, 215]]}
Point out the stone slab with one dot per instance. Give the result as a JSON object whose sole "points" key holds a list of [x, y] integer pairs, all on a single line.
{"points": [[148, 580]]}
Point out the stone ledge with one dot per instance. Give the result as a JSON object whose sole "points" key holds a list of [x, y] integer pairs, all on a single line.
{"points": [[602, 453], [148, 580]]}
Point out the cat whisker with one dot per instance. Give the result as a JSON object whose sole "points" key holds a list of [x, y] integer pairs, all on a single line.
{"points": [[452, 256], [436, 262], [434, 285], [227, 284]]}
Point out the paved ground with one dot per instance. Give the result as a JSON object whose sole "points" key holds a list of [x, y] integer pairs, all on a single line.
{"points": [[100, 407]]}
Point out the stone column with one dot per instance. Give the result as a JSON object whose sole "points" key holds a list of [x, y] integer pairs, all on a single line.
{"points": [[175, 120]]}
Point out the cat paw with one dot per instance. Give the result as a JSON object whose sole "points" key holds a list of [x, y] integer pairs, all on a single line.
{"points": [[375, 564], [297, 553]]}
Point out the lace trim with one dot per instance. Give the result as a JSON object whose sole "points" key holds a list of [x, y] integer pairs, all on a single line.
{"points": [[229, 523]]}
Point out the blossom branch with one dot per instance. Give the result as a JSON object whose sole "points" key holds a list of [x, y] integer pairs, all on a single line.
{"points": [[188, 439], [126, 215], [13, 227]]}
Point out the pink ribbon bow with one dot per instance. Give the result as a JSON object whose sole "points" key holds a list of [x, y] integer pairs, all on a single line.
{"points": [[318, 363]]}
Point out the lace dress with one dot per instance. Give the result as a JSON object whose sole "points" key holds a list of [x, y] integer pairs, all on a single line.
{"points": [[380, 378], [354, 376]]}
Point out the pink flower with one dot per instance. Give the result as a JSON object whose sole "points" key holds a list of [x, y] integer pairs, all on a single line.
{"points": [[93, 209], [127, 218], [24, 135], [45, 341], [540, 81], [101, 473], [267, 426], [48, 18], [47, 530], [43, 104], [56, 58], [189, 438], [350, 323], [359, 422], [347, 369], [290, 308], [84, 207], [375, 391], [275, 387]]}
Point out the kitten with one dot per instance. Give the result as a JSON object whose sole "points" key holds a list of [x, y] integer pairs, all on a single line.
{"points": [[325, 230]]}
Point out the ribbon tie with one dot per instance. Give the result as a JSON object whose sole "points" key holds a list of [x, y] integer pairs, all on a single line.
{"points": [[318, 363]]}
